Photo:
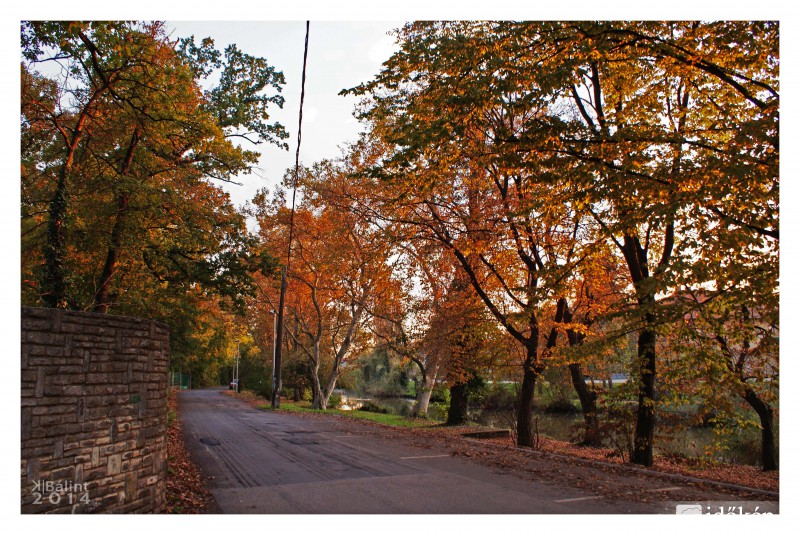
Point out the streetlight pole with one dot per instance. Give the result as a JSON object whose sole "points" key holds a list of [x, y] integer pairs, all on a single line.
{"points": [[237, 367]]}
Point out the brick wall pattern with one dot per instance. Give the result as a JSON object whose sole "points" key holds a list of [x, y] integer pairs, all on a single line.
{"points": [[94, 412]]}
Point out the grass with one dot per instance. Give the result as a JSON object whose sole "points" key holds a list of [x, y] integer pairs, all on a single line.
{"points": [[385, 419]]}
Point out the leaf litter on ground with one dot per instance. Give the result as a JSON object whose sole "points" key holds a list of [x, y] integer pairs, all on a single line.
{"points": [[187, 490]]}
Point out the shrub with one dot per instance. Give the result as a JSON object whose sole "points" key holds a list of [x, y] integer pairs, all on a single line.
{"points": [[500, 397], [745, 447], [438, 411], [441, 394], [370, 406], [263, 389], [560, 406], [617, 428], [334, 401]]}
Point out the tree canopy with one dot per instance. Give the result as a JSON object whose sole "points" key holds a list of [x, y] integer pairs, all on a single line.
{"points": [[659, 139], [123, 155]]}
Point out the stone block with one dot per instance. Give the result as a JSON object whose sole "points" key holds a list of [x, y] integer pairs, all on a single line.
{"points": [[44, 339], [62, 474], [27, 420], [72, 366], [56, 351], [114, 465], [131, 486], [40, 378], [73, 390], [78, 477], [33, 351]]}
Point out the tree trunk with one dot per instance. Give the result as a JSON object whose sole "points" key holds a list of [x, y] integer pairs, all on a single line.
{"points": [[102, 299], [316, 387], [459, 401], [586, 395], [646, 412], [525, 408], [588, 399], [636, 259], [328, 389], [54, 284], [316, 396], [323, 401], [769, 459], [422, 402], [54, 276], [424, 393], [325, 392]]}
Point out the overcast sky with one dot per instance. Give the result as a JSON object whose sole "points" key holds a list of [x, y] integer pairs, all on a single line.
{"points": [[340, 55]]}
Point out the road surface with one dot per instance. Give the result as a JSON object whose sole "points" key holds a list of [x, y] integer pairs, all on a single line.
{"points": [[266, 462]]}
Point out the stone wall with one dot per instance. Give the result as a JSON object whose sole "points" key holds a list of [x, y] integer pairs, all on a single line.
{"points": [[94, 412]]}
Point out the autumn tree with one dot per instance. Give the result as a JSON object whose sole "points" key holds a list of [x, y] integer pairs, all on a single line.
{"points": [[657, 110], [122, 157], [339, 271], [433, 321], [453, 172], [400, 319], [461, 325], [449, 336], [629, 125], [586, 327], [408, 299], [726, 349]]}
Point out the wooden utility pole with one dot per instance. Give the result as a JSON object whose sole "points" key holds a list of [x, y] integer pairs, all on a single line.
{"points": [[276, 371]]}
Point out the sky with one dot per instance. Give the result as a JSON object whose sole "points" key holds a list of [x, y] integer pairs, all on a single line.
{"points": [[340, 55]]}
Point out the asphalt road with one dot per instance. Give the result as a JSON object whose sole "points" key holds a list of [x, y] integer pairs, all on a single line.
{"points": [[265, 462]]}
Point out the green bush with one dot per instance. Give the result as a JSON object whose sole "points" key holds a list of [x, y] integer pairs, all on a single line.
{"points": [[334, 401], [745, 447], [477, 391], [560, 406], [500, 397], [263, 389], [441, 394], [438, 411], [370, 406], [555, 399], [617, 425]]}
